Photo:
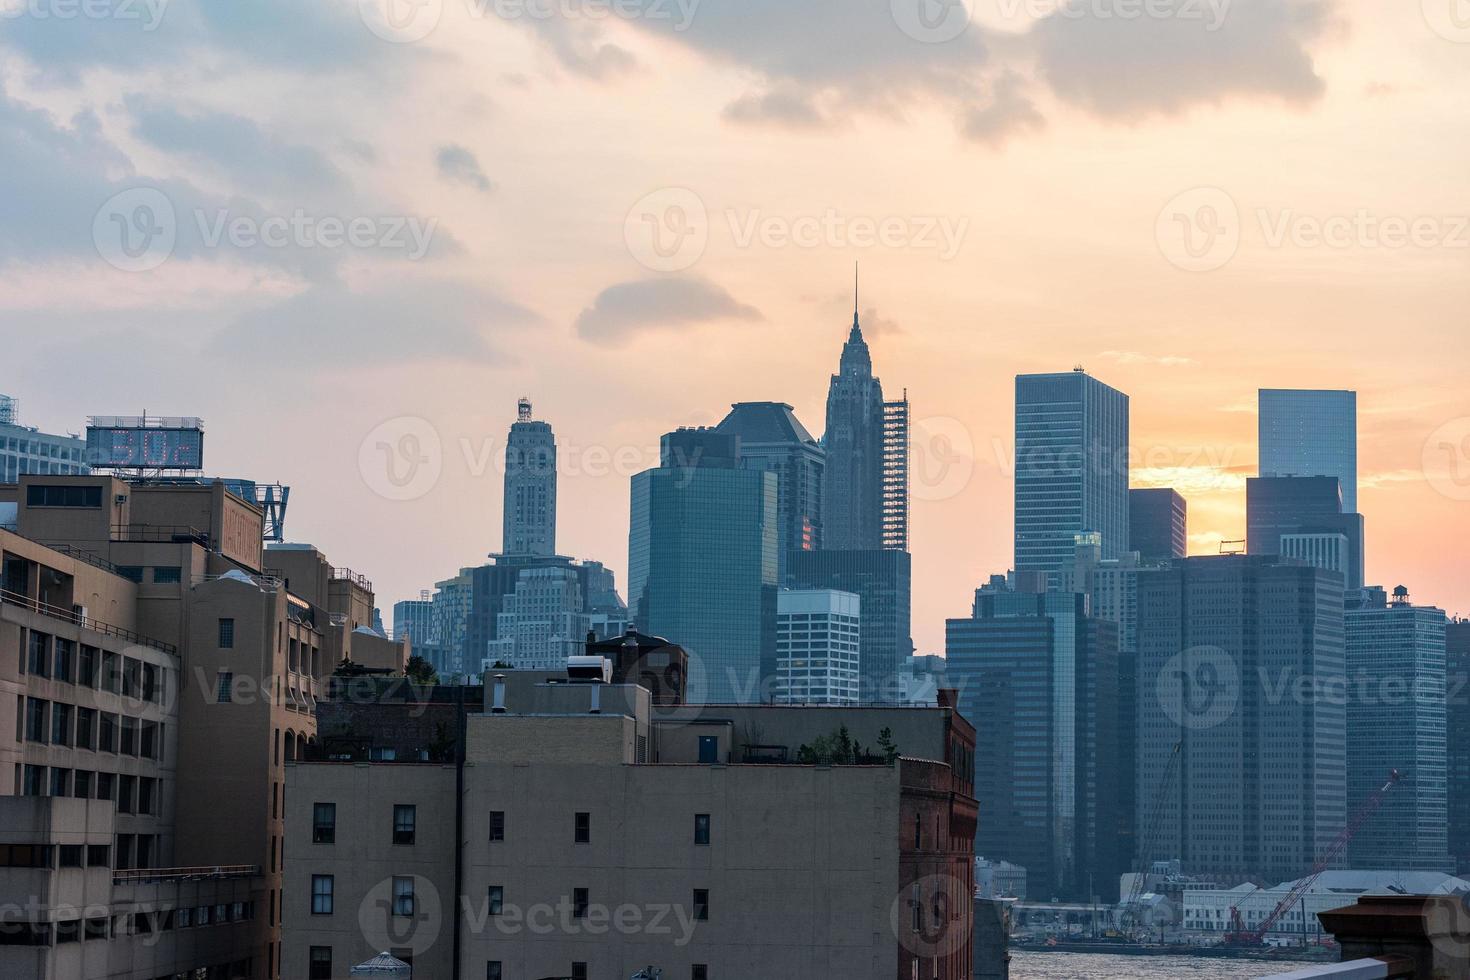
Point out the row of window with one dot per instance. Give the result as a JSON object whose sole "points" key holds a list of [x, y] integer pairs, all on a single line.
{"points": [[132, 794], [59, 659], [405, 825], [58, 723], [319, 966], [134, 923], [52, 856]]}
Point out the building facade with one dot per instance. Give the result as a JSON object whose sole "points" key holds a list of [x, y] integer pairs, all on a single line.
{"points": [[530, 486], [1457, 691], [852, 503], [818, 647], [26, 450], [542, 623], [702, 562], [1158, 524], [1310, 433], [1071, 468], [1278, 507], [882, 580], [1396, 720]]}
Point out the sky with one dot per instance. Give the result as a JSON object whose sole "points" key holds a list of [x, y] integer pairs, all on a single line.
{"points": [[349, 235]]}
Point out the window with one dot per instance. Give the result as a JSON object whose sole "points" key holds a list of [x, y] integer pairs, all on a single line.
{"points": [[133, 573], [148, 740], [132, 678], [321, 894], [701, 905], [497, 825], [405, 820], [41, 495], [97, 928], [227, 642], [104, 785], [497, 899], [35, 720], [403, 896], [699, 971], [60, 782], [226, 684], [40, 650], [25, 856], [111, 673], [34, 781], [146, 788], [70, 855], [709, 750], [127, 743], [579, 971], [582, 832], [81, 785], [125, 789], [494, 970], [580, 901], [99, 856], [701, 829], [108, 740], [86, 727], [324, 823], [151, 691], [87, 666], [167, 574], [918, 832], [320, 966], [65, 657], [184, 918]]}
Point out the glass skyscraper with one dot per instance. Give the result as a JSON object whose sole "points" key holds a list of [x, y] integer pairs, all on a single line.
{"points": [[1071, 468], [1310, 433], [530, 486], [883, 581], [1158, 524], [702, 545]]}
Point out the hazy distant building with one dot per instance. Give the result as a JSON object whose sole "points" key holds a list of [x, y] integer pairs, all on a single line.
{"points": [[771, 438], [1311, 433], [542, 622], [921, 678], [415, 620], [1261, 785], [883, 581], [530, 486], [817, 647], [1396, 719], [26, 450], [1071, 468], [1158, 524], [702, 563], [1046, 773], [1278, 506], [1457, 685]]}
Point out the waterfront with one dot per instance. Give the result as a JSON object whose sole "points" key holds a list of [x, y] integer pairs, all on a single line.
{"points": [[1031, 965]]}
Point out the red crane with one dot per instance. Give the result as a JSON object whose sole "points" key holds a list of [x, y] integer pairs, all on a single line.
{"points": [[1240, 936]]}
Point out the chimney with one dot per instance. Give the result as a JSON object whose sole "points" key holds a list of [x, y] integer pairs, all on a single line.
{"points": [[596, 699], [498, 705]]}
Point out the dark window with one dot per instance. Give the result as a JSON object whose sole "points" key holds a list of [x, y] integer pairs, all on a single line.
{"points": [[148, 740], [167, 574], [709, 750], [150, 683], [320, 967], [227, 642], [497, 825], [86, 727], [97, 928], [699, 972], [324, 823], [40, 650], [701, 829], [146, 788], [111, 673], [25, 856], [225, 693], [125, 789], [133, 573], [582, 832], [127, 743], [98, 856], [701, 905], [87, 666], [322, 888], [494, 970], [81, 785], [68, 931], [403, 896], [405, 823], [107, 741], [497, 899], [60, 782], [34, 781], [918, 832], [70, 855], [41, 495], [105, 785], [35, 720], [579, 971], [580, 901], [65, 655]]}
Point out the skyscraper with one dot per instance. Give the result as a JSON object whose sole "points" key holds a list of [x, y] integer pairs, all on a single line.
{"points": [[530, 486], [817, 651], [1310, 433], [1396, 720], [883, 582], [1158, 524], [702, 563], [1278, 507], [772, 438], [1224, 643], [1457, 689], [1071, 468]]}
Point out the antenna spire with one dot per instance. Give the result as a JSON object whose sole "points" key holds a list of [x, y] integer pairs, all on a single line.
{"points": [[854, 295]]}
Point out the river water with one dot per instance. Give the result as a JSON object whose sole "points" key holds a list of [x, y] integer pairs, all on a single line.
{"points": [[1026, 965]]}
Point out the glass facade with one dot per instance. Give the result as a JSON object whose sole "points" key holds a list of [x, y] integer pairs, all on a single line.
{"points": [[883, 582], [1310, 433], [1158, 524], [25, 451], [817, 647]]}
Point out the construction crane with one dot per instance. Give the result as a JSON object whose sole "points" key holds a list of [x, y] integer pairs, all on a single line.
{"points": [[1150, 834], [1239, 935]]}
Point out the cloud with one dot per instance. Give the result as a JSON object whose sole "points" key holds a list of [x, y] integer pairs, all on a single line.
{"points": [[1009, 112], [789, 108], [459, 166], [1135, 357], [623, 310]]}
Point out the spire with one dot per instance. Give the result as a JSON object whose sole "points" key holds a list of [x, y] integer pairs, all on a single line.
{"points": [[857, 331], [856, 360]]}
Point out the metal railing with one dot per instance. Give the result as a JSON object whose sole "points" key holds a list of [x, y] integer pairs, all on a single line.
{"points": [[348, 575], [75, 618], [159, 534], [137, 876]]}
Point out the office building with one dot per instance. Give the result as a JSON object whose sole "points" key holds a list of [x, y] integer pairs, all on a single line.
{"points": [[1396, 720], [817, 647], [1329, 550], [1047, 778], [415, 620], [771, 438], [1457, 690], [573, 813], [882, 580], [163, 665], [1071, 468], [1282, 506], [530, 486], [921, 677], [702, 563], [1311, 433], [542, 622], [1260, 787], [1158, 524], [27, 450]]}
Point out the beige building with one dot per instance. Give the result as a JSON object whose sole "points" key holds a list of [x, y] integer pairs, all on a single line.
{"points": [[602, 834], [156, 674]]}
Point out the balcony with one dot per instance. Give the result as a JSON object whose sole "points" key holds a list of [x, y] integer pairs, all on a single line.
{"points": [[159, 534], [75, 618], [218, 872], [348, 575]]}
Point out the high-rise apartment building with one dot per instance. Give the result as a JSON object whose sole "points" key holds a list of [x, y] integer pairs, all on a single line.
{"points": [[1278, 507], [1158, 524], [818, 647], [1396, 720], [1310, 433], [543, 622], [26, 450], [1071, 468], [1223, 645], [702, 562], [1457, 690], [883, 582], [772, 438], [530, 486], [1047, 778]]}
